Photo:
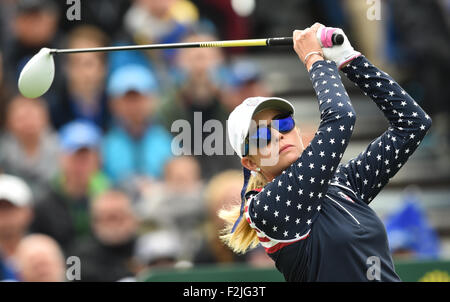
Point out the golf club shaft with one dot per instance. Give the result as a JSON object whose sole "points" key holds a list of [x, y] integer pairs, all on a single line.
{"points": [[284, 41]]}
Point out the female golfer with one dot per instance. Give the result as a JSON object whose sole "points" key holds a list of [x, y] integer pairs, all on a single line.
{"points": [[309, 212]]}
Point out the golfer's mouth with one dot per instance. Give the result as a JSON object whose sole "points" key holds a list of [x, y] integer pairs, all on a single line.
{"points": [[285, 147]]}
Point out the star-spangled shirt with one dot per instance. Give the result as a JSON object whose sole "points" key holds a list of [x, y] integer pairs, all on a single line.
{"points": [[314, 219]]}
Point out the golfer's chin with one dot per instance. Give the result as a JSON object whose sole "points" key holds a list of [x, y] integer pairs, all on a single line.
{"points": [[287, 157]]}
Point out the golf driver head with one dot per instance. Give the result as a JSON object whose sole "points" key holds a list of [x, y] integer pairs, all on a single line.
{"points": [[37, 75]]}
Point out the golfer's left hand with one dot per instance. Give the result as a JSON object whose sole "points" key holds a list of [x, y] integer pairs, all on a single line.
{"points": [[340, 54]]}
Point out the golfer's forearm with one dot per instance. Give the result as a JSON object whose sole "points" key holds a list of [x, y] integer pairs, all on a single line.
{"points": [[337, 120], [334, 102], [385, 155], [402, 112]]}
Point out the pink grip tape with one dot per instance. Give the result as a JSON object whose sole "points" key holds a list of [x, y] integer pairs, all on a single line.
{"points": [[325, 36]]}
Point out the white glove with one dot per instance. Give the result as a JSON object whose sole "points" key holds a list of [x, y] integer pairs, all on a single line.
{"points": [[340, 54]]}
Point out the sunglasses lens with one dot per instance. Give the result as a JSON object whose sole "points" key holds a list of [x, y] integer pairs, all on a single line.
{"points": [[263, 133], [285, 124], [262, 136]]}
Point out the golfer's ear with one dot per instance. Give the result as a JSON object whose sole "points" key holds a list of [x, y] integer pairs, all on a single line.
{"points": [[248, 163]]}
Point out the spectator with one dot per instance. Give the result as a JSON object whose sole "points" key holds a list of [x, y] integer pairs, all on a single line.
{"points": [[223, 190], [4, 94], [15, 216], [28, 147], [201, 76], [278, 18], [182, 174], [159, 249], [136, 147], [64, 213], [40, 259], [410, 233], [83, 96], [7, 273], [107, 255], [160, 21], [6, 12], [357, 20], [230, 25], [246, 81], [34, 25], [176, 204]]}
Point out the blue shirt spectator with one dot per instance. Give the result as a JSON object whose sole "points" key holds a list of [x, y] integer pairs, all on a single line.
{"points": [[410, 234], [6, 272], [137, 145], [125, 156]]}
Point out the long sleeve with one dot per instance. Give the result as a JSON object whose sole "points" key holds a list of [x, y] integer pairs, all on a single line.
{"points": [[372, 169], [285, 208]]}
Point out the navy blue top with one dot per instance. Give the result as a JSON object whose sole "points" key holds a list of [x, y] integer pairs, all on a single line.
{"points": [[314, 219]]}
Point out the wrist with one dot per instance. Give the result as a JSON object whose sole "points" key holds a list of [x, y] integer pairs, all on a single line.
{"points": [[313, 59], [348, 59]]}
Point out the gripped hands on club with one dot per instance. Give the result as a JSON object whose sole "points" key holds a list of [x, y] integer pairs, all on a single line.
{"points": [[307, 46]]}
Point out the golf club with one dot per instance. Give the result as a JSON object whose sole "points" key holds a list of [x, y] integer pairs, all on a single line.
{"points": [[38, 74]]}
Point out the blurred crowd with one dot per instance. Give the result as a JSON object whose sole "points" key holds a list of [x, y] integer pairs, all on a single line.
{"points": [[87, 170]]}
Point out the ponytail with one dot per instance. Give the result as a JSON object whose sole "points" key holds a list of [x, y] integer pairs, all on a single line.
{"points": [[244, 237]]}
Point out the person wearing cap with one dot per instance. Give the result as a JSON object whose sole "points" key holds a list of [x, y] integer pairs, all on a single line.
{"points": [[64, 212], [34, 24], [16, 213], [157, 249], [247, 80], [136, 146], [309, 211]]}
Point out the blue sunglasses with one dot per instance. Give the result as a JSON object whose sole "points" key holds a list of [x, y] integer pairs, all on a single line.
{"points": [[263, 135]]}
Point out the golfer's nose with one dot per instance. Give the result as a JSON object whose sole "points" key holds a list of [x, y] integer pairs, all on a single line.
{"points": [[277, 136]]}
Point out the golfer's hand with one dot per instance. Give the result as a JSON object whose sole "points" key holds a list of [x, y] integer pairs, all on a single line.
{"points": [[305, 43], [341, 54]]}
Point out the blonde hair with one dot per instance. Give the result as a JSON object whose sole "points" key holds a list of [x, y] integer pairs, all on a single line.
{"points": [[244, 237]]}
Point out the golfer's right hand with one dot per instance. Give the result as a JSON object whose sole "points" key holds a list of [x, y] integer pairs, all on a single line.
{"points": [[306, 43], [340, 54]]}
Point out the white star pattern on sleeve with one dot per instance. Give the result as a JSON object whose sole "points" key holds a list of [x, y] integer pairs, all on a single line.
{"points": [[304, 183], [408, 125]]}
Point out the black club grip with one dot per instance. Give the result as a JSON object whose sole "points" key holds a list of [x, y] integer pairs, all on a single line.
{"points": [[336, 38]]}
